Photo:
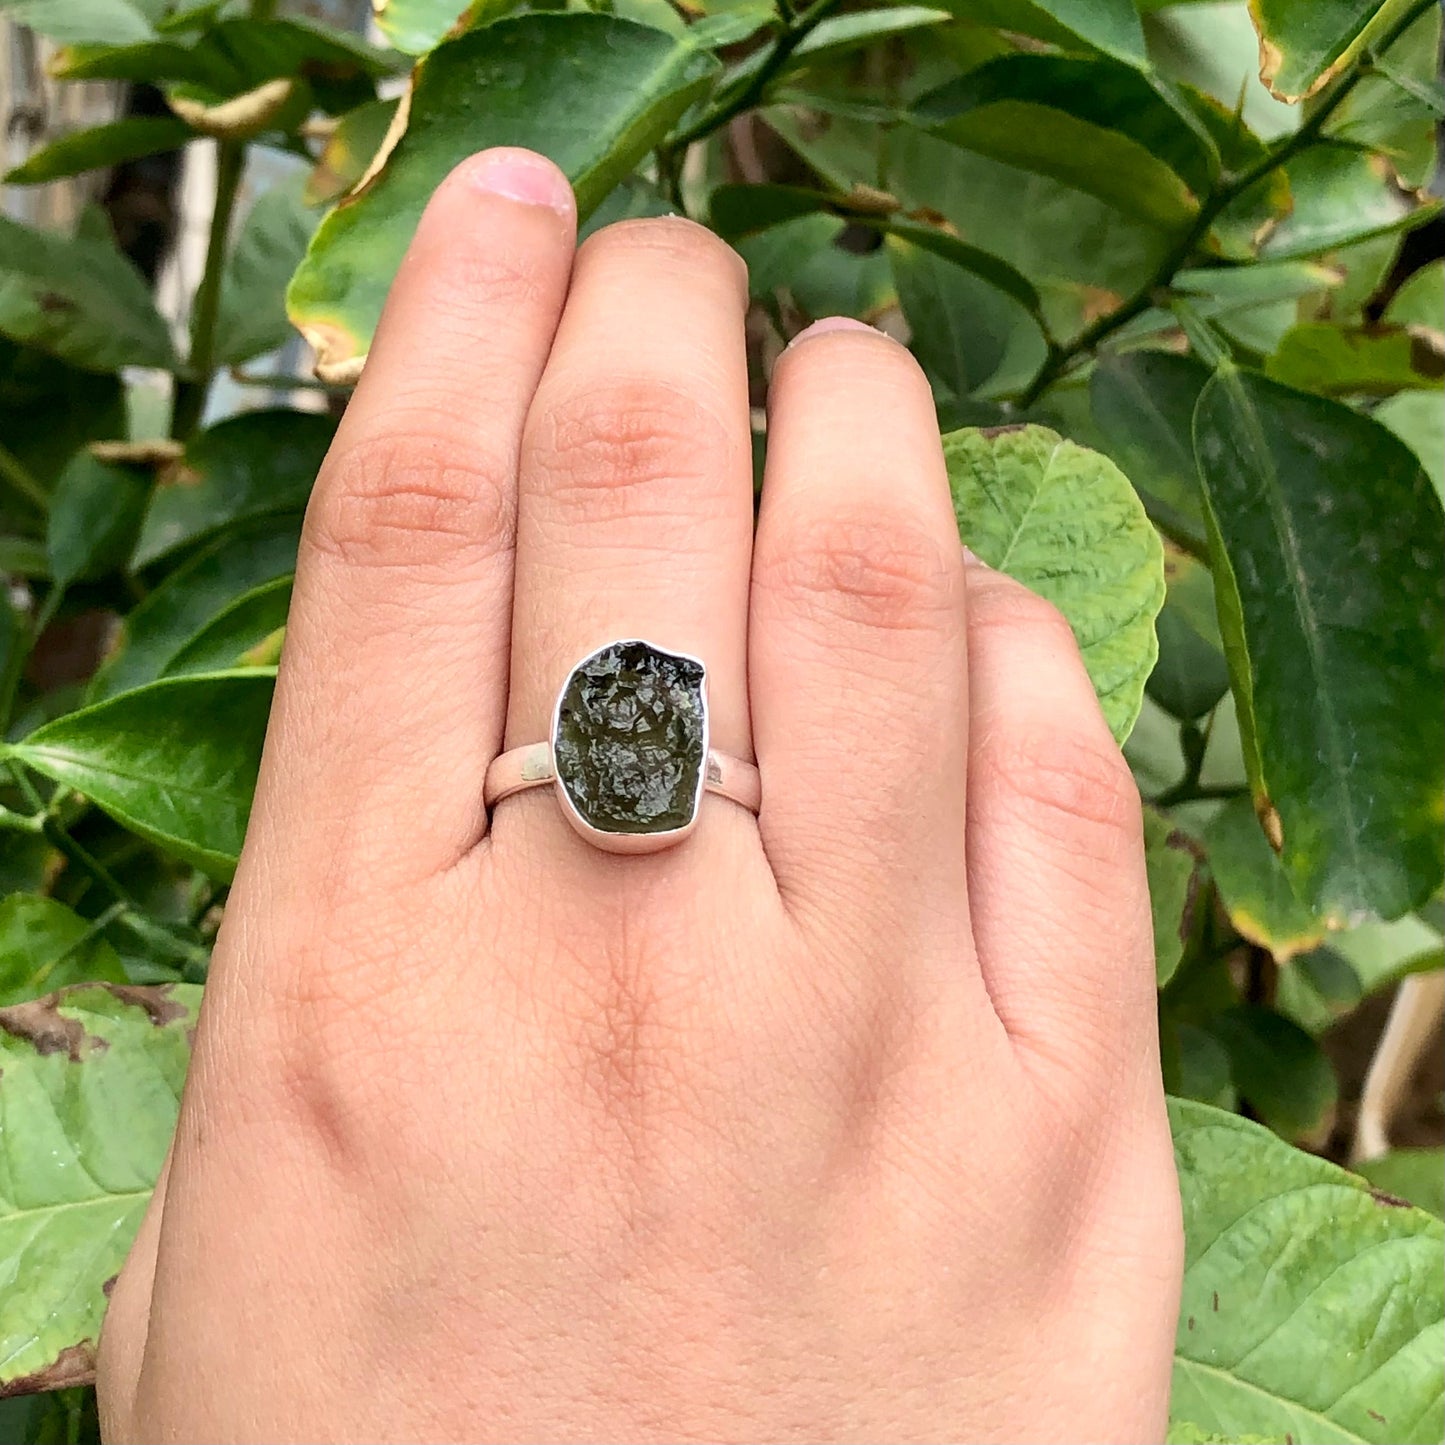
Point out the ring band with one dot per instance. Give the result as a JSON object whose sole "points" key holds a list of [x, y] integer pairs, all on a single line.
{"points": [[629, 755], [518, 769]]}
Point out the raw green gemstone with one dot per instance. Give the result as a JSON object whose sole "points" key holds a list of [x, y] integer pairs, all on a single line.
{"points": [[630, 741]]}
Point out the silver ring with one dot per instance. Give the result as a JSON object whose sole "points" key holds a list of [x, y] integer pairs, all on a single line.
{"points": [[629, 753]]}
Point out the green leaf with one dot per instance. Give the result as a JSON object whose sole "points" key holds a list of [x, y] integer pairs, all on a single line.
{"points": [[95, 515], [48, 409], [1065, 522], [1174, 860], [1341, 195], [44, 946], [964, 330], [1383, 953], [735, 24], [1302, 41], [1073, 248], [1312, 1310], [174, 762], [1414, 1175], [1109, 26], [257, 464], [1143, 404], [1421, 300], [1280, 1071], [73, 1185], [1418, 419], [1326, 538], [592, 92], [191, 598], [1253, 886], [1394, 109], [1196, 1064], [80, 299], [1317, 990], [101, 146], [243, 628], [101, 22], [804, 257], [1092, 124], [416, 26], [1191, 675], [348, 151], [1344, 361], [834, 36], [252, 317]]}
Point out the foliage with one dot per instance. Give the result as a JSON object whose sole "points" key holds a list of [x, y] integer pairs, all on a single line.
{"points": [[1155, 301]]}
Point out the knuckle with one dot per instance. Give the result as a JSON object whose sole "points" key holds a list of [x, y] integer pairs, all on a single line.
{"points": [[887, 574], [598, 443], [671, 240], [1072, 782], [410, 498], [998, 603]]}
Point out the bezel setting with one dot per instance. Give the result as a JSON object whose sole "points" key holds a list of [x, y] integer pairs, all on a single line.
{"points": [[642, 838]]}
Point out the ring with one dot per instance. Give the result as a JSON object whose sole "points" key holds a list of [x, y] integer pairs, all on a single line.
{"points": [[629, 750]]}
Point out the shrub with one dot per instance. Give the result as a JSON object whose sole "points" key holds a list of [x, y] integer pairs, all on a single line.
{"points": [[1115, 254]]}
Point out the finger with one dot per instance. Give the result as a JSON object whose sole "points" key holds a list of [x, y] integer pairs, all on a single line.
{"points": [[635, 503], [1057, 894], [392, 693], [857, 647]]}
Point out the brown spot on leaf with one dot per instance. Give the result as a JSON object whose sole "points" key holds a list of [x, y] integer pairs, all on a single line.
{"points": [[1190, 1322], [38, 1024], [178, 474], [394, 133], [241, 117], [998, 431], [109, 1285], [870, 201], [154, 452], [1270, 821], [51, 301], [155, 999], [1214, 1302], [1389, 1201], [1375, 1415], [74, 1365]]}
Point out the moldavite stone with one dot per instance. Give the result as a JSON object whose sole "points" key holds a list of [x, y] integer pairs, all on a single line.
{"points": [[630, 744]]}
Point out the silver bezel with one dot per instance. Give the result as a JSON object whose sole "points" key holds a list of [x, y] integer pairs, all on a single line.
{"points": [[632, 842]]}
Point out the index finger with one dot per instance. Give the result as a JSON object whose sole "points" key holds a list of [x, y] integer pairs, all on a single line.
{"points": [[392, 693]]}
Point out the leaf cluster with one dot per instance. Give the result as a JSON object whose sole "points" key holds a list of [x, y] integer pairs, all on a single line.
{"points": [[1149, 255]]}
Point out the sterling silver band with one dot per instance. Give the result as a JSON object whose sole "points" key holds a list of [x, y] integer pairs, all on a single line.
{"points": [[531, 766]]}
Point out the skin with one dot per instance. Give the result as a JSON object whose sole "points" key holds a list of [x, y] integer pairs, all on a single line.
{"points": [[840, 1123]]}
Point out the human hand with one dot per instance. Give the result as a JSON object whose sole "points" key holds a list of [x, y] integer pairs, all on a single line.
{"points": [[844, 1122]]}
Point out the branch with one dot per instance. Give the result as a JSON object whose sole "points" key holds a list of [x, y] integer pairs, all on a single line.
{"points": [[738, 98], [1225, 192], [191, 393]]}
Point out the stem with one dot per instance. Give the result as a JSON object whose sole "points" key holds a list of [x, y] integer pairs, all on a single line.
{"points": [[743, 97], [20, 654], [22, 483], [1224, 193], [192, 391], [15, 822], [98, 924]]}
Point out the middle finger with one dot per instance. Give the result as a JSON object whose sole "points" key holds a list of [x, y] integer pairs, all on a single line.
{"points": [[635, 503]]}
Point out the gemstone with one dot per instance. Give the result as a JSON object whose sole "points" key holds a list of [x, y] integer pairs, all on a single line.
{"points": [[630, 739]]}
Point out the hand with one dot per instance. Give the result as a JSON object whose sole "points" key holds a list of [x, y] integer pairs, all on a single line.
{"points": [[840, 1123]]}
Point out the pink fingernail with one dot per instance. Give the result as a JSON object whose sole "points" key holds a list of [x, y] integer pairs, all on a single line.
{"points": [[972, 559], [522, 175], [832, 323]]}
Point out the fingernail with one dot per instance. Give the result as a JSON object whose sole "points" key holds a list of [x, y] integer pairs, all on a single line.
{"points": [[523, 175], [972, 559], [832, 323]]}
